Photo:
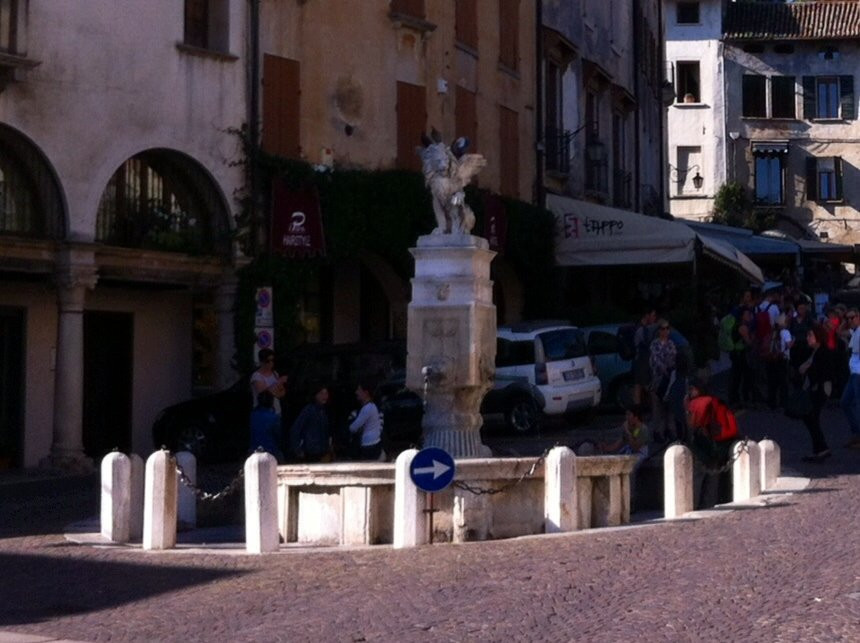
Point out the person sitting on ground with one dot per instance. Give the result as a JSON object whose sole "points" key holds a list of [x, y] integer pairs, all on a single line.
{"points": [[367, 424], [634, 439], [266, 426], [310, 438]]}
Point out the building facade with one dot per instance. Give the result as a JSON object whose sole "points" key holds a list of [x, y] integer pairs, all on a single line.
{"points": [[116, 209], [602, 93]]}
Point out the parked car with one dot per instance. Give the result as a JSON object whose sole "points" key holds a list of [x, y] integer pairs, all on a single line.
{"points": [[215, 427], [553, 357], [613, 370]]}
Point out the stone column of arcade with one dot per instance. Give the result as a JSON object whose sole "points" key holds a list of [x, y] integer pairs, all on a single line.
{"points": [[76, 273], [451, 333]]}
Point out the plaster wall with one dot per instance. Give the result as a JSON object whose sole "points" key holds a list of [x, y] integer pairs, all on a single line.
{"points": [[696, 125], [354, 44], [111, 83]]}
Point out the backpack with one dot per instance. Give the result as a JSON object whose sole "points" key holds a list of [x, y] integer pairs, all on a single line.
{"points": [[626, 344], [725, 337], [714, 418]]}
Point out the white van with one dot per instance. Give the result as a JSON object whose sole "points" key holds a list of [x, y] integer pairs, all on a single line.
{"points": [[553, 356]]}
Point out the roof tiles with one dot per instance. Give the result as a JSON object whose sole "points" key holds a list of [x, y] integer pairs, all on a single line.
{"points": [[793, 21]]}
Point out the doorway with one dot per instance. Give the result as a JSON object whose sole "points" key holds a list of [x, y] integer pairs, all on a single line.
{"points": [[108, 369], [11, 386]]}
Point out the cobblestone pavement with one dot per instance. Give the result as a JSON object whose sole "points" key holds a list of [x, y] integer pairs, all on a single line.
{"points": [[789, 572]]}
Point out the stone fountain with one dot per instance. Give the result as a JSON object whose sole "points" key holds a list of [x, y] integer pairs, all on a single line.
{"points": [[451, 334]]}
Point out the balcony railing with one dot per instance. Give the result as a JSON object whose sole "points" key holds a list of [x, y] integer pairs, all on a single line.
{"points": [[557, 150]]}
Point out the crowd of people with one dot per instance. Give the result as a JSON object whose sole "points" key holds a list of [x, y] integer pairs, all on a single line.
{"points": [[311, 437]]}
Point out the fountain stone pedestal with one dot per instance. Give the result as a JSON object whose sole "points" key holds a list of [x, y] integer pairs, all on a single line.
{"points": [[451, 339]]}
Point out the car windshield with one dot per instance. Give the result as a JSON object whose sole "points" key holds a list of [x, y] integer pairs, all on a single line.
{"points": [[564, 343]]}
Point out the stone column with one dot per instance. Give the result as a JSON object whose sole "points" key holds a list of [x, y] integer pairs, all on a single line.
{"points": [[746, 476], [225, 304], [560, 504], [76, 273], [770, 463], [451, 339], [677, 481]]}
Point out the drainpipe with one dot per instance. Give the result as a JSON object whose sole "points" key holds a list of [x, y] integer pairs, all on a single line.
{"points": [[637, 181], [254, 126], [540, 143]]}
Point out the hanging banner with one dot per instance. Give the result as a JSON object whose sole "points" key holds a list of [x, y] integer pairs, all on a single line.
{"points": [[495, 223], [297, 228]]}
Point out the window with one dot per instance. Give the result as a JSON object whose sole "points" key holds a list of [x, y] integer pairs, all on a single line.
{"points": [[509, 20], [281, 107], [688, 82], [466, 23], [207, 24], [414, 8], [688, 13], [826, 98], [514, 353], [754, 96], [824, 178], [768, 179], [782, 101], [9, 26], [411, 121], [509, 152]]}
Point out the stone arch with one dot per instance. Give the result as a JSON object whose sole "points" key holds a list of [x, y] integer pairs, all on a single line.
{"points": [[165, 200], [32, 202], [395, 289]]}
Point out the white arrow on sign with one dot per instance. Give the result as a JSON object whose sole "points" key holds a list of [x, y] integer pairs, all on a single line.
{"points": [[437, 469]]}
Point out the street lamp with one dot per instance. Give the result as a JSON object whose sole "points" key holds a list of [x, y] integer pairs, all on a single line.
{"points": [[681, 173]]}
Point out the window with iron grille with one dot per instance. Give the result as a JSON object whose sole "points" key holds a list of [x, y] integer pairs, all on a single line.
{"points": [[9, 26], [160, 200]]}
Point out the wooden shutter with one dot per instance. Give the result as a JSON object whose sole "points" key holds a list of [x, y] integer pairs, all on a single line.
{"points": [[414, 8], [846, 96], [281, 106], [809, 97], [811, 178], [466, 117], [466, 23], [837, 171], [509, 14], [509, 152], [411, 119]]}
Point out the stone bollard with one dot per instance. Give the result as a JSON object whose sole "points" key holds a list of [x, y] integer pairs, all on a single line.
{"points": [[135, 522], [771, 465], [187, 500], [746, 476], [677, 481], [159, 502], [410, 524], [115, 501], [261, 504], [560, 499]]}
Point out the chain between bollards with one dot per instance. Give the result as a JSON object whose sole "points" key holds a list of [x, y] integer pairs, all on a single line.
{"points": [[206, 496], [491, 491]]}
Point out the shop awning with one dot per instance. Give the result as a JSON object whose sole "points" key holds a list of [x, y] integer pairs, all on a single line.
{"points": [[744, 240], [588, 234], [766, 148]]}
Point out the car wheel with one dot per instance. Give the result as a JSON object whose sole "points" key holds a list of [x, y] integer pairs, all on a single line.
{"points": [[522, 415], [191, 439]]}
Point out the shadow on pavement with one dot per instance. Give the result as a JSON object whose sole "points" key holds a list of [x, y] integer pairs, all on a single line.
{"points": [[45, 506], [38, 588]]}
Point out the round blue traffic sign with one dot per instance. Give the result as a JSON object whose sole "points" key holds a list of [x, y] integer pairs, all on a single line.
{"points": [[432, 469]]}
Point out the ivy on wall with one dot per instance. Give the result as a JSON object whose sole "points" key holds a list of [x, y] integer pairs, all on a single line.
{"points": [[382, 212]]}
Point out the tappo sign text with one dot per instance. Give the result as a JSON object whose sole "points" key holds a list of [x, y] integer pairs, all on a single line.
{"points": [[576, 227]]}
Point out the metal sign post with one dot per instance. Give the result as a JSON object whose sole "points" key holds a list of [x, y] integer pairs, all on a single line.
{"points": [[432, 470]]}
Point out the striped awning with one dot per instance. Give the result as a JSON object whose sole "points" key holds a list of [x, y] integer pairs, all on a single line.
{"points": [[769, 148]]}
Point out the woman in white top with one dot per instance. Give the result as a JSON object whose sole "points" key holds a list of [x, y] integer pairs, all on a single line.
{"points": [[368, 423], [266, 378]]}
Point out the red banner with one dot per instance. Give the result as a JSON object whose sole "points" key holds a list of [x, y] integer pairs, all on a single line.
{"points": [[297, 228], [495, 223]]}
